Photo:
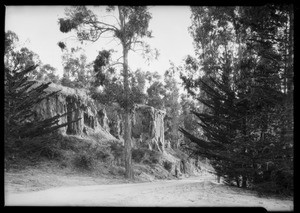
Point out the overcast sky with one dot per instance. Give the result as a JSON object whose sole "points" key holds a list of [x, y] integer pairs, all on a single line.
{"points": [[37, 28]]}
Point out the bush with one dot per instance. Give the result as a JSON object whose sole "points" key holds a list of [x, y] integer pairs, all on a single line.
{"points": [[35, 148], [146, 156], [104, 154], [277, 182], [117, 151], [283, 179], [84, 161], [270, 188], [69, 142], [116, 170], [138, 155], [153, 157], [167, 165]]}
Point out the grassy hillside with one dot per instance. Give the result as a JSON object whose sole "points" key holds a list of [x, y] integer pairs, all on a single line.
{"points": [[57, 160]]}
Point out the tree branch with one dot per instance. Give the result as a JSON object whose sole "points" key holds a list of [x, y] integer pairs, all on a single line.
{"points": [[116, 63], [110, 27], [113, 17]]}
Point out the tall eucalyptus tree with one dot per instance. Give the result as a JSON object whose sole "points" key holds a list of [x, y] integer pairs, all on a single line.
{"points": [[131, 25]]}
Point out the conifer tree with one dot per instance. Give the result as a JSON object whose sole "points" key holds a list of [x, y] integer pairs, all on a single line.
{"points": [[245, 93], [21, 95]]}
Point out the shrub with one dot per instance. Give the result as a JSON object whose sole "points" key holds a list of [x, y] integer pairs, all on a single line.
{"points": [[35, 148], [167, 165], [116, 170], [84, 161], [146, 156], [283, 179], [116, 151], [69, 142], [270, 188], [152, 157], [280, 182], [104, 154], [138, 155]]}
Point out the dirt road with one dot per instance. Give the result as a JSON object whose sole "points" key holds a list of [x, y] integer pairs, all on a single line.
{"points": [[186, 192]]}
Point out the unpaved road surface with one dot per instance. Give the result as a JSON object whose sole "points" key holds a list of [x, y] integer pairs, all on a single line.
{"points": [[194, 191]]}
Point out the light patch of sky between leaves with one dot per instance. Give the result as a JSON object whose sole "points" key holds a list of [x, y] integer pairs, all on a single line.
{"points": [[38, 29]]}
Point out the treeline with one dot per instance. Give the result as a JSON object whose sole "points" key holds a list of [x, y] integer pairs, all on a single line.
{"points": [[243, 79], [101, 80]]}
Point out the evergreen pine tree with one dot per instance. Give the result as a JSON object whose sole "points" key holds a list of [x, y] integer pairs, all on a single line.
{"points": [[247, 120], [20, 98]]}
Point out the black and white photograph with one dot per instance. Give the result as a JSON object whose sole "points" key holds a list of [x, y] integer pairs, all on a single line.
{"points": [[149, 106]]}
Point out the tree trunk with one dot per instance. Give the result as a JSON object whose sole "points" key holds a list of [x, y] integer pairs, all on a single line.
{"points": [[290, 74], [287, 122], [244, 182], [218, 178], [127, 123], [237, 182]]}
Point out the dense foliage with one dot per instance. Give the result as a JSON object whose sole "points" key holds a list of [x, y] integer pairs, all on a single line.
{"points": [[77, 72], [21, 95], [18, 57], [243, 78]]}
